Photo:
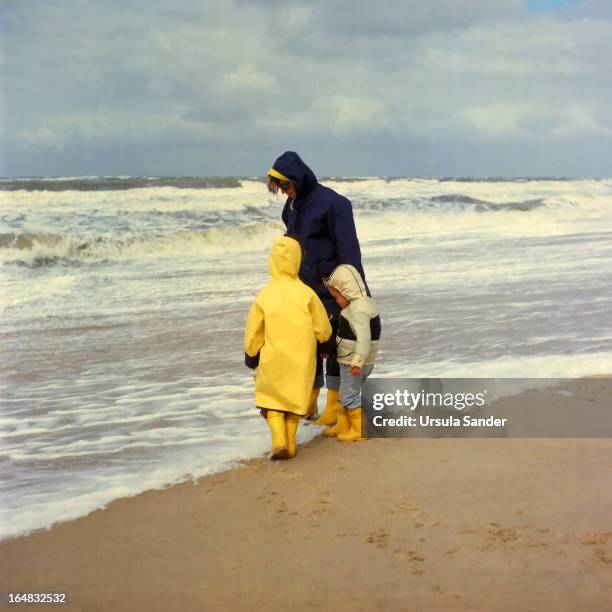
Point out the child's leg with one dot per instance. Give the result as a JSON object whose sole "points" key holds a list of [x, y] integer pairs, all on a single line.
{"points": [[276, 423], [291, 425], [351, 399], [312, 413], [332, 382], [329, 416], [340, 421], [341, 424]]}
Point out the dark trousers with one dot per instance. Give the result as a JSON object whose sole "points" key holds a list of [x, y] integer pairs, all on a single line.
{"points": [[332, 369]]}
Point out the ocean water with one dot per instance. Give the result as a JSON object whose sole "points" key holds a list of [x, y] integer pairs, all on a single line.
{"points": [[123, 302]]}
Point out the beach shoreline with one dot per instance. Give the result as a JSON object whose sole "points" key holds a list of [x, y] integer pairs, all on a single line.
{"points": [[408, 524]]}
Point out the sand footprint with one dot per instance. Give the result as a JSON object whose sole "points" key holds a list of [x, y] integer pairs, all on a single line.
{"points": [[405, 508], [448, 596], [321, 506], [599, 539], [379, 538]]}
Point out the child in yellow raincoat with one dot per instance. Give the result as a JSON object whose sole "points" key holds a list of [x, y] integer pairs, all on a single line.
{"points": [[284, 325]]}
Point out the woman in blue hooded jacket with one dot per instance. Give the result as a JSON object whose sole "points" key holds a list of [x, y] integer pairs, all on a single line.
{"points": [[323, 222]]}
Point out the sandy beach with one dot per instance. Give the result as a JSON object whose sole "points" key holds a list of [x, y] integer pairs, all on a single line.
{"points": [[399, 524]]}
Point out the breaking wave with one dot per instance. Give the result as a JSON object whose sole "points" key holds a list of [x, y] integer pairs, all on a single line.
{"points": [[43, 249], [455, 203], [116, 183]]}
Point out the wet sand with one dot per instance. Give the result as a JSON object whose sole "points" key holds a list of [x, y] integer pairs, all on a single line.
{"points": [[397, 524]]}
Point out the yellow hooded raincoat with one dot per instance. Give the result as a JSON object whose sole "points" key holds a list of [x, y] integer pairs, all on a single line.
{"points": [[284, 325]]}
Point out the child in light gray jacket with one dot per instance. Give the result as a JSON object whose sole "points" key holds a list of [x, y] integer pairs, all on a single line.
{"points": [[357, 340]]}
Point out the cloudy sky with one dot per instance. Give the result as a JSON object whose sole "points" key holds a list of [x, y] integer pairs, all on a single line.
{"points": [[222, 87]]}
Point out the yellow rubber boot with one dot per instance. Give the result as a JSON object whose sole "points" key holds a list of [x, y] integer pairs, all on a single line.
{"points": [[291, 425], [354, 432], [276, 423], [329, 415], [312, 405], [342, 423]]}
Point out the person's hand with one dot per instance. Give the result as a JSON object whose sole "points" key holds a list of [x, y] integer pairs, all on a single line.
{"points": [[355, 370]]}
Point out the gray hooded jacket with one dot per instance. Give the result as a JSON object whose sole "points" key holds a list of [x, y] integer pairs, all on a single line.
{"points": [[359, 324]]}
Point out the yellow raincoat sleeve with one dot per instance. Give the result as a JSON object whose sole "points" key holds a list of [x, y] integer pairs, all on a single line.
{"points": [[254, 331], [320, 319]]}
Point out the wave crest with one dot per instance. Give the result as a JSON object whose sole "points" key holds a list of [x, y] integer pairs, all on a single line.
{"points": [[42, 249]]}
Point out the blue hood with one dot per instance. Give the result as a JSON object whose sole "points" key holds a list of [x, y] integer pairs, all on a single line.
{"points": [[291, 165], [323, 222]]}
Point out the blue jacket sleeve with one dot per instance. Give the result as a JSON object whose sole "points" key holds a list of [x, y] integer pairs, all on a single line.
{"points": [[342, 230], [343, 233]]}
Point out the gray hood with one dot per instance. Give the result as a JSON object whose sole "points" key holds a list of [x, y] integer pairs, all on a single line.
{"points": [[347, 280]]}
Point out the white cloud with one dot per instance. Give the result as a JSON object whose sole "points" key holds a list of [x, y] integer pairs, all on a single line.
{"points": [[354, 114], [578, 121], [244, 79], [494, 120]]}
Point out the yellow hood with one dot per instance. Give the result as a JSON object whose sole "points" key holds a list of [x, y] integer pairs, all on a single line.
{"points": [[285, 258]]}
